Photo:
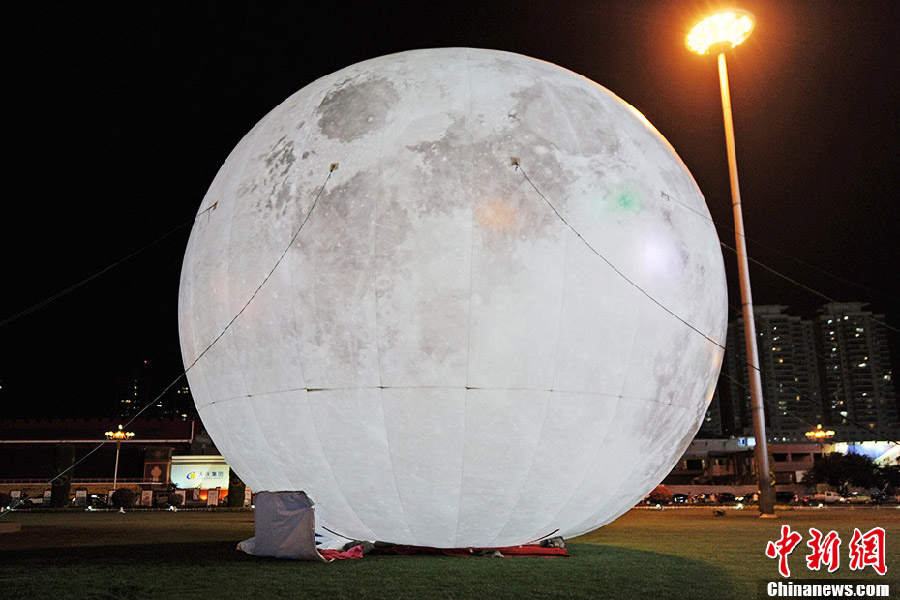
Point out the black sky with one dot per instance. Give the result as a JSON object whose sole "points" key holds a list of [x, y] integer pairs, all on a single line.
{"points": [[120, 117]]}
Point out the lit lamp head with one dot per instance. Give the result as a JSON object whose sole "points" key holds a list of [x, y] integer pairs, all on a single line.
{"points": [[119, 434], [819, 435], [716, 31]]}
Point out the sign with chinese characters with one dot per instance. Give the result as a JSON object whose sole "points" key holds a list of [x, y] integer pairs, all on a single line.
{"points": [[864, 550], [199, 472]]}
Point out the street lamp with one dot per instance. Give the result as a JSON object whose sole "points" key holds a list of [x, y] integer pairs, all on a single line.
{"points": [[118, 435], [819, 435], [717, 33]]}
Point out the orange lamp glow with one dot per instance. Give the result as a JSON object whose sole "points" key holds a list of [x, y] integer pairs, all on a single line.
{"points": [[729, 27], [819, 434], [119, 434]]}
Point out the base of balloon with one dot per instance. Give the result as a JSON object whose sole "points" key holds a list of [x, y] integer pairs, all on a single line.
{"points": [[285, 527]]}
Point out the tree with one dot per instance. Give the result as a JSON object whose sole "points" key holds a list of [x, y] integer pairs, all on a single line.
{"points": [[841, 471], [890, 476], [661, 494], [123, 498], [62, 484], [236, 490]]}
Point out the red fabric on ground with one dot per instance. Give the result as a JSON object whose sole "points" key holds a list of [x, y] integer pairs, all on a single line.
{"points": [[354, 552], [532, 551], [464, 552]]}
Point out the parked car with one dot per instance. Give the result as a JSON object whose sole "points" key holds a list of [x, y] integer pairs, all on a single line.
{"points": [[824, 498], [785, 497], [679, 499], [856, 498]]}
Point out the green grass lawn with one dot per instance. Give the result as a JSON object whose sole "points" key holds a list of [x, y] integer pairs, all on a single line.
{"points": [[673, 553]]}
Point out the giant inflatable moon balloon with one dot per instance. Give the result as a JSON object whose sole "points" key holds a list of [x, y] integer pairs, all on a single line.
{"points": [[460, 297]]}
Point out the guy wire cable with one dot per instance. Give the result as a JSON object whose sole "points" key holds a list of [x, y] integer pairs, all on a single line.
{"points": [[77, 285], [218, 337], [518, 166], [778, 273], [771, 249]]}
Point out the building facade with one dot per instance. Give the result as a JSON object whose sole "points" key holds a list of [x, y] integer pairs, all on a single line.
{"points": [[833, 370], [856, 375]]}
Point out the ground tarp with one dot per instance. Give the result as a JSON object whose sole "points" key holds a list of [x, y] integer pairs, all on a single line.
{"points": [[528, 550]]}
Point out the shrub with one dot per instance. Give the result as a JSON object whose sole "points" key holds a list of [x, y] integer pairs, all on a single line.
{"points": [[236, 489], [5, 500], [175, 500], [123, 498], [661, 494]]}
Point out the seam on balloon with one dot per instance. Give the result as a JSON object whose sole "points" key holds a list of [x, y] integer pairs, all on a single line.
{"points": [[298, 337], [537, 444], [375, 228], [418, 387], [587, 470], [267, 438], [462, 468], [216, 419], [590, 468], [586, 522], [471, 227], [334, 477], [634, 337], [562, 304], [387, 439]]}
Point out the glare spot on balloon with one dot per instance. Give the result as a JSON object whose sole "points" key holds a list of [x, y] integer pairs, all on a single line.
{"points": [[496, 215], [627, 200]]}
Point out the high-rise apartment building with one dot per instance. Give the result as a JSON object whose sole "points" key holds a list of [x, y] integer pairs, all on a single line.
{"points": [[789, 374], [855, 371]]}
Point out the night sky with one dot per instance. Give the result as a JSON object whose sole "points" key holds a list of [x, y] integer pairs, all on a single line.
{"points": [[120, 118]]}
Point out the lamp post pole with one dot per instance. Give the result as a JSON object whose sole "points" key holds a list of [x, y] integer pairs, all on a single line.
{"points": [[118, 435], [732, 28], [116, 468], [766, 485]]}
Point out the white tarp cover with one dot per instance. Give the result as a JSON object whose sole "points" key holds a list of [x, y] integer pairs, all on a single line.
{"points": [[285, 526]]}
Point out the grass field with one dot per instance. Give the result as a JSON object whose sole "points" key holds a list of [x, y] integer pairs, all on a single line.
{"points": [[673, 553]]}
